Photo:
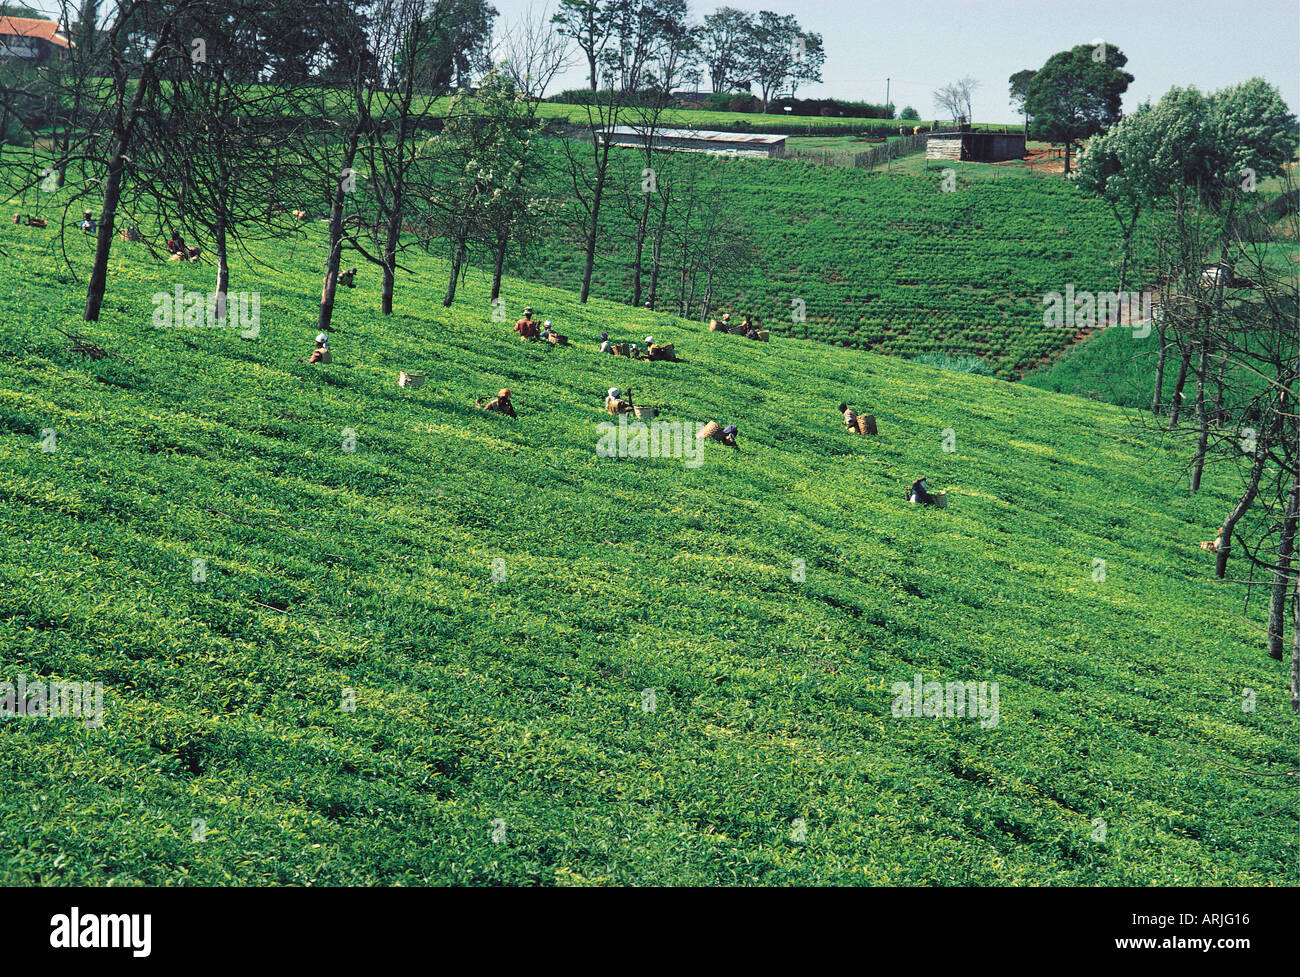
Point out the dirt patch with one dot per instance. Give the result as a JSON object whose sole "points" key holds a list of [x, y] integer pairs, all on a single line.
{"points": [[1045, 160]]}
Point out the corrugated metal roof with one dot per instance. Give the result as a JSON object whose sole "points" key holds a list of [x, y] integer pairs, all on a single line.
{"points": [[708, 135]]}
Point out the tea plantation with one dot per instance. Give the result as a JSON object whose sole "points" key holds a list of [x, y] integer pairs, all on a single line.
{"points": [[880, 261], [570, 669]]}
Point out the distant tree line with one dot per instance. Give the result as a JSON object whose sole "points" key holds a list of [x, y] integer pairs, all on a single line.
{"points": [[768, 53]]}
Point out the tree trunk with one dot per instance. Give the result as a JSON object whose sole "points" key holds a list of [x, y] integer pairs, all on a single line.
{"points": [[457, 262], [1295, 648], [641, 228], [1282, 571], [1202, 420], [336, 235], [392, 237], [593, 229], [104, 236], [656, 261], [503, 241], [1176, 404], [223, 271], [1160, 372], [1243, 504]]}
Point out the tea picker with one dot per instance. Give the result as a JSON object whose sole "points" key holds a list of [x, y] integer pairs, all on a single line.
{"points": [[614, 403], [920, 494], [500, 404]]}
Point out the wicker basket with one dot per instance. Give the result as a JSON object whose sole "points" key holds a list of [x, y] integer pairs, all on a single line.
{"points": [[941, 500], [763, 335], [663, 352], [711, 430], [867, 425], [411, 380], [645, 413]]}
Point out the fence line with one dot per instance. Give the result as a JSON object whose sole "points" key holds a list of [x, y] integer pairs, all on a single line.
{"points": [[872, 157]]}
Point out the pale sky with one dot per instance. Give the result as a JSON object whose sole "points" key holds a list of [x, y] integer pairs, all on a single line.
{"points": [[922, 45]]}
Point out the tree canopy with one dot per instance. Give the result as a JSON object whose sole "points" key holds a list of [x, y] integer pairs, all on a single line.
{"points": [[1076, 94]]}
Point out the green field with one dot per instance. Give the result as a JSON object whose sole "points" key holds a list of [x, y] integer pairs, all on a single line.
{"points": [[882, 260], [760, 122], [502, 601]]}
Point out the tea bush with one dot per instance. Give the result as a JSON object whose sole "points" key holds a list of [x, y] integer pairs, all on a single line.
{"points": [[503, 730]]}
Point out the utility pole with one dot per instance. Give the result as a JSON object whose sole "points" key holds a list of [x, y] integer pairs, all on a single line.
{"points": [[889, 157]]}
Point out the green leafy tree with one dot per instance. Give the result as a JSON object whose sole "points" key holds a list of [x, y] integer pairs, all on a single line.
{"points": [[19, 10], [1020, 91], [1076, 94], [449, 47], [586, 22], [532, 53], [779, 52], [809, 59], [480, 179], [723, 38]]}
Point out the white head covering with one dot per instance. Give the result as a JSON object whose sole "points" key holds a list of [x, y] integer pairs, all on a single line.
{"points": [[649, 340], [615, 392], [547, 323], [323, 339]]}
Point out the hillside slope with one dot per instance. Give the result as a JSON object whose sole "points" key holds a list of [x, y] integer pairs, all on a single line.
{"points": [[879, 261], [644, 689]]}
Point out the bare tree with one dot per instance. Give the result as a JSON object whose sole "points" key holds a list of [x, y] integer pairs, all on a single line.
{"points": [[340, 118], [671, 48], [586, 163], [237, 128], [402, 37], [1235, 321], [119, 78], [531, 53], [955, 98]]}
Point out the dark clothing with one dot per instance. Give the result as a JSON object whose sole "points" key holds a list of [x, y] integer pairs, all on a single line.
{"points": [[177, 246], [500, 405]]}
